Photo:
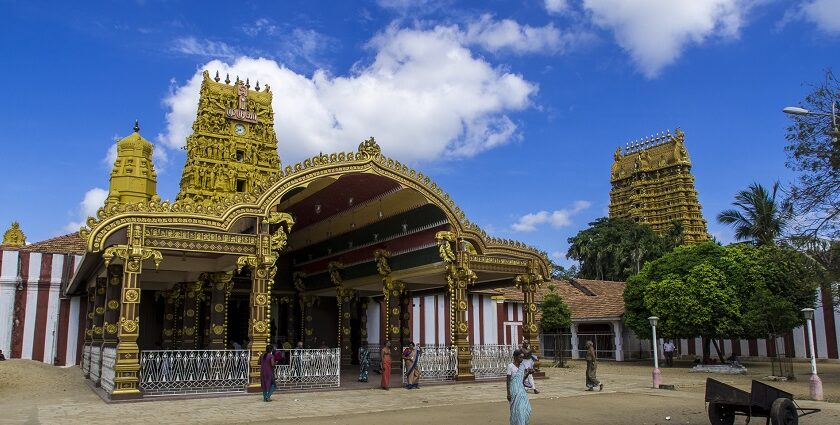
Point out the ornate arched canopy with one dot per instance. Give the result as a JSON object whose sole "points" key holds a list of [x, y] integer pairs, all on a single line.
{"points": [[366, 174]]}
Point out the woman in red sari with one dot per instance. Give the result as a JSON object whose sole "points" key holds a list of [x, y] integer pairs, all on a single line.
{"points": [[386, 366], [267, 381]]}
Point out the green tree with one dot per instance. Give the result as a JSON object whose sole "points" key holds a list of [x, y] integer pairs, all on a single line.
{"points": [[814, 151], [555, 313], [758, 216], [559, 272], [614, 248], [710, 291]]}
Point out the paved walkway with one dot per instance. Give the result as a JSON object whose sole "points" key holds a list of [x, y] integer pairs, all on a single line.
{"points": [[75, 403]]}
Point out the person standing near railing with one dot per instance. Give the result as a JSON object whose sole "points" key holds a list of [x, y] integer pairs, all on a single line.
{"points": [[267, 380], [386, 366], [364, 361], [411, 360]]}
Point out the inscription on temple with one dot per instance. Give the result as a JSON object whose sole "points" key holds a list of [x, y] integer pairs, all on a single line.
{"points": [[199, 240], [241, 113]]}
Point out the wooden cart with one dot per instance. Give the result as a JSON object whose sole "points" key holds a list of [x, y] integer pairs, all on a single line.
{"points": [[763, 401]]}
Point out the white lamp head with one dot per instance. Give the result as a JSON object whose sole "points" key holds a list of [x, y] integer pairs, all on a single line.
{"points": [[808, 313], [794, 110], [653, 320]]}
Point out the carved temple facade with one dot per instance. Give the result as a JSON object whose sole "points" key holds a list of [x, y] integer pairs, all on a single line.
{"points": [[326, 252], [652, 184]]}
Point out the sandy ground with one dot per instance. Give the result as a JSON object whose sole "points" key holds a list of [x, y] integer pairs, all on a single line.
{"points": [[31, 392]]}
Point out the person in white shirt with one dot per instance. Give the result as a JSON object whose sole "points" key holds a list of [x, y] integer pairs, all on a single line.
{"points": [[668, 347]]}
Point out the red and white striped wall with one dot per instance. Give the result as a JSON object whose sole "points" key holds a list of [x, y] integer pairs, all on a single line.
{"points": [[429, 320], [36, 321], [826, 342]]}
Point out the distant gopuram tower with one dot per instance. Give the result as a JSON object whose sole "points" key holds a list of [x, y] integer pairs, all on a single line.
{"points": [[233, 146], [652, 184]]}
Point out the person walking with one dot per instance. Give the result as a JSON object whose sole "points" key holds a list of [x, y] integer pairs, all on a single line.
{"points": [[592, 368], [267, 379], [528, 360], [385, 365], [520, 406], [668, 347], [364, 361]]}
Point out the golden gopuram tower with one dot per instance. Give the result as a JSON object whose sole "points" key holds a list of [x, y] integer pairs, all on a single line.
{"points": [[652, 183], [233, 145]]}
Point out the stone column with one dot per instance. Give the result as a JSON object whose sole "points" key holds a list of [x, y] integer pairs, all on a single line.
{"points": [[221, 284], [91, 296], [98, 327], [575, 353], [528, 284], [172, 300], [391, 290], [619, 341], [192, 295], [127, 366], [112, 305]]}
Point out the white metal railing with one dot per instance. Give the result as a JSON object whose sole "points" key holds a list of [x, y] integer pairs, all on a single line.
{"points": [[168, 372], [438, 363], [86, 359], [109, 360], [95, 362], [491, 360], [309, 369]]}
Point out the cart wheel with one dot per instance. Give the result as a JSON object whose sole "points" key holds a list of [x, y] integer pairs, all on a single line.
{"points": [[720, 414], [783, 412]]}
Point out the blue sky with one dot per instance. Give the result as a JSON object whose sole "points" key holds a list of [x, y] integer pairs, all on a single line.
{"points": [[514, 107]]}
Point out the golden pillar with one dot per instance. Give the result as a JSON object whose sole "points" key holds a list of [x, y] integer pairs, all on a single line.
{"points": [[193, 294], [305, 302], [112, 306], [344, 303], [127, 367], [405, 310], [172, 301], [98, 323], [221, 285], [392, 290], [458, 278], [528, 283]]}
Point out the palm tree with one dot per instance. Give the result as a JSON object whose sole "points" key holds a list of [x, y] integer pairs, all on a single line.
{"points": [[758, 216]]}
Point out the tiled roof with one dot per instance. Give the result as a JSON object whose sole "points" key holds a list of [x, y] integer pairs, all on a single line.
{"points": [[67, 244], [587, 299]]}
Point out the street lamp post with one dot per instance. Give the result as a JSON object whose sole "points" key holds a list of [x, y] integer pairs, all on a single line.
{"points": [[815, 384], [657, 374], [835, 128]]}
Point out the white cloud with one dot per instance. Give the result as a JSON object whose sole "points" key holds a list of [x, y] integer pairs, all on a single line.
{"points": [[404, 6], [558, 255], [824, 13], [424, 95], [556, 6], [204, 48], [655, 32], [557, 218], [508, 34], [93, 200]]}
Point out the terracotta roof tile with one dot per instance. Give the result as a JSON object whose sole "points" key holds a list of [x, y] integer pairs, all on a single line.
{"points": [[587, 299], [67, 244]]}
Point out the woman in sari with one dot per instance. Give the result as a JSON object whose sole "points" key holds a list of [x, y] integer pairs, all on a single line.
{"points": [[364, 361], [520, 406], [411, 360], [386, 366], [267, 380], [592, 368]]}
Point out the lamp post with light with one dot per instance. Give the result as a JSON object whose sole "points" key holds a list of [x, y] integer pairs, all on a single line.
{"points": [[815, 384], [657, 374], [835, 127]]}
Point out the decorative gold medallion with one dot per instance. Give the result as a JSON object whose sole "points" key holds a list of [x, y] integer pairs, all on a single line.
{"points": [[218, 329], [260, 299], [100, 291], [395, 311], [189, 331], [219, 308], [167, 332], [346, 315], [462, 305], [169, 316], [129, 326], [111, 328], [131, 295], [395, 330], [100, 310], [463, 327], [532, 307], [346, 331], [308, 318], [113, 304], [259, 327]]}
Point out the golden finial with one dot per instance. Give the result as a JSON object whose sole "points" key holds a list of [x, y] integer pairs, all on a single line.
{"points": [[14, 236], [227, 78], [136, 126], [247, 83], [257, 87], [217, 76]]}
